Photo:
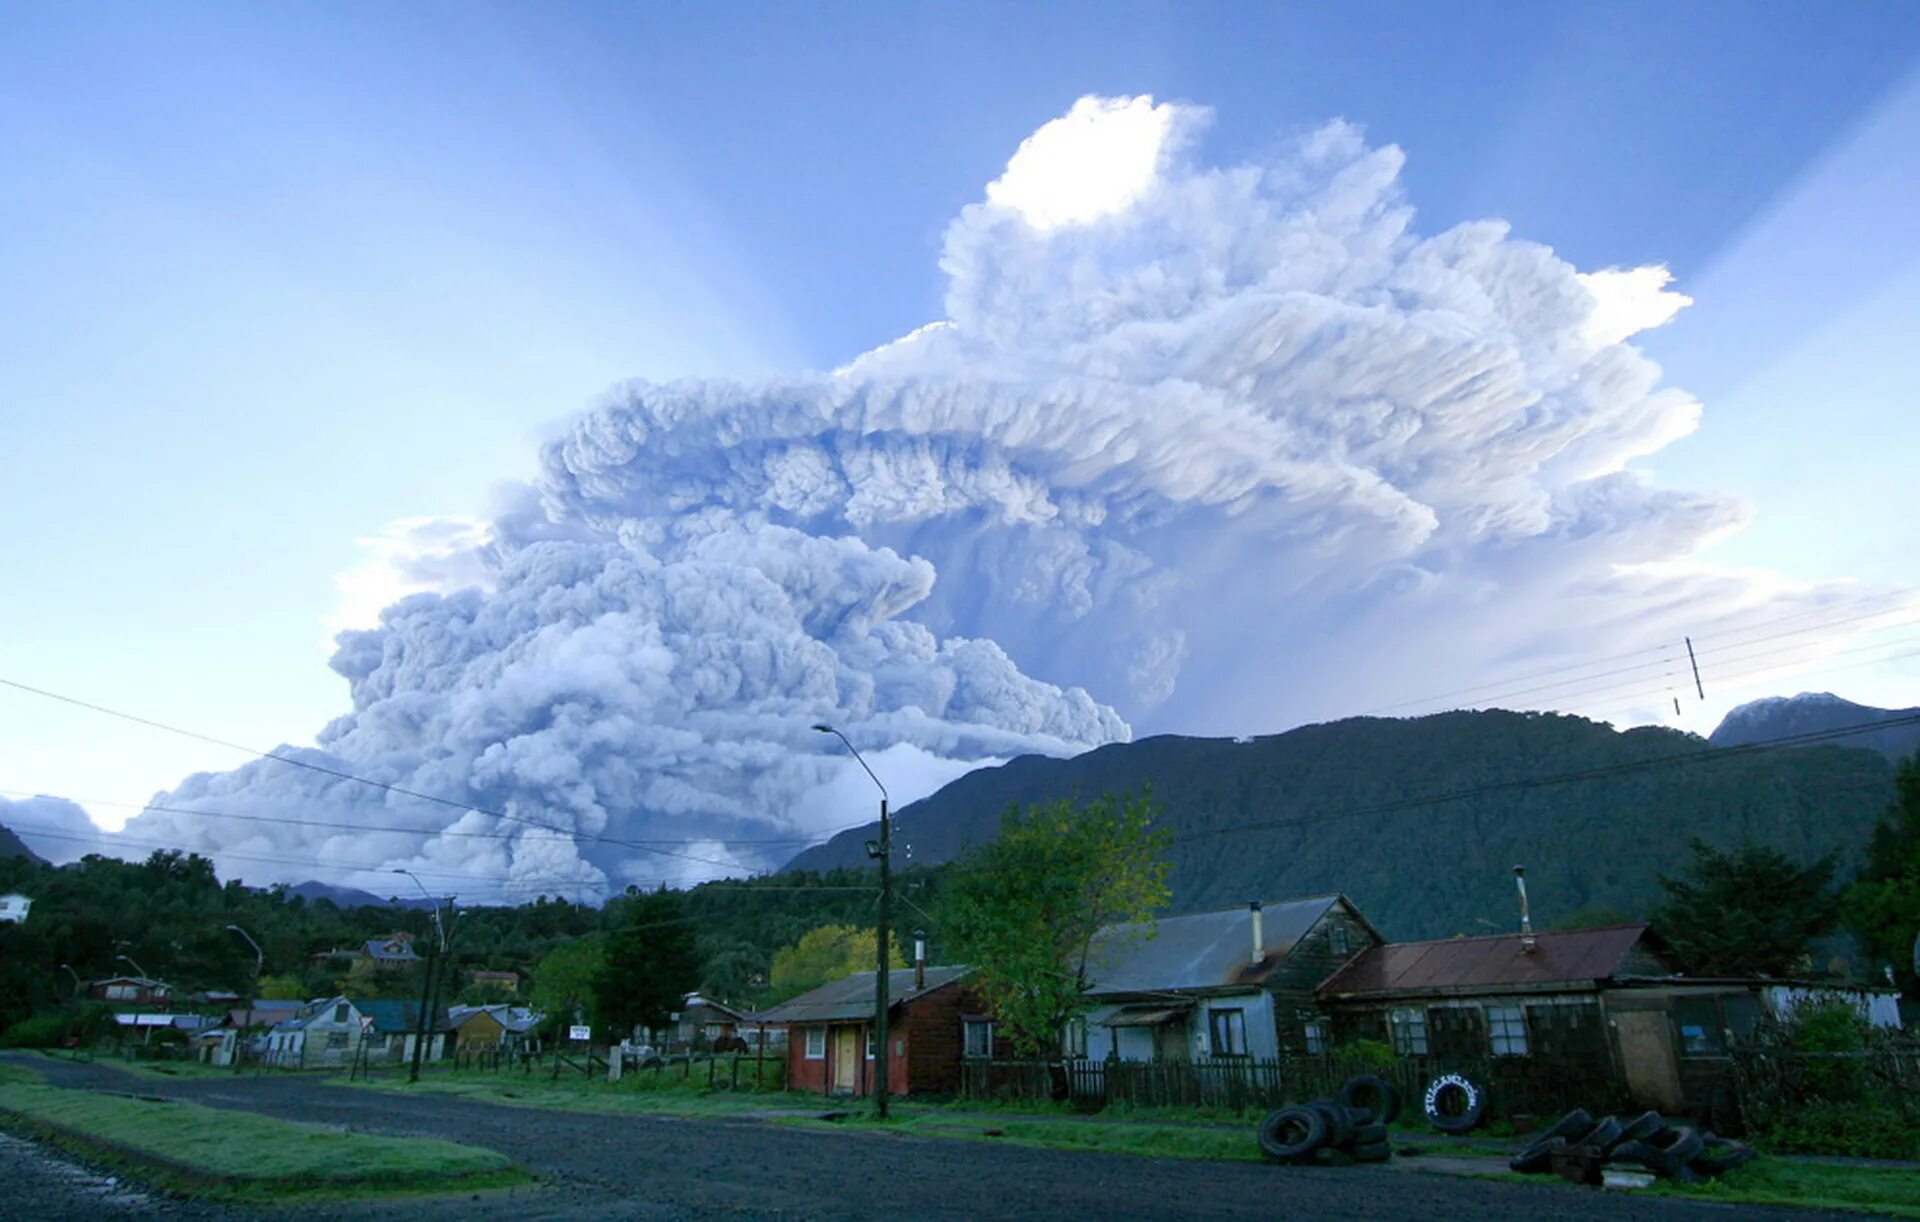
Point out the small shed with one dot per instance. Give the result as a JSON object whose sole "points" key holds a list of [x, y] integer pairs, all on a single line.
{"points": [[14, 907], [933, 1022]]}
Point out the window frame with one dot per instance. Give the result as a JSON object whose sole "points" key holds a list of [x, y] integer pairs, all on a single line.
{"points": [[1407, 1027], [968, 1026], [1313, 1032], [1339, 941], [1233, 1021], [1508, 1033], [815, 1035], [1074, 1039]]}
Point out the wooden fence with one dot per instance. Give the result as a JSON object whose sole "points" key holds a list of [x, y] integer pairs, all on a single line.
{"points": [[1512, 1085]]}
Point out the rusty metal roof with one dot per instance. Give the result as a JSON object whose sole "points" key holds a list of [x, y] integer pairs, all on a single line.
{"points": [[1570, 957], [1199, 950], [851, 998]]}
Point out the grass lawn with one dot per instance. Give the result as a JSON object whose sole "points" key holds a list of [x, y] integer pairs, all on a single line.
{"points": [[237, 1155], [1771, 1181], [638, 1093]]}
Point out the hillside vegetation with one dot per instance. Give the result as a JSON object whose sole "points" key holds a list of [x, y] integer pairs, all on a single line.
{"points": [[1435, 868]]}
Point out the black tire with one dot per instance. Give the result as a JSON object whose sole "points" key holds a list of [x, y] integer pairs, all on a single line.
{"points": [[1473, 1104], [1650, 1157], [1604, 1136], [1572, 1126], [1339, 1122], [1537, 1157], [1367, 1134], [1373, 1093], [1642, 1127], [1292, 1134], [1724, 1158], [1372, 1152], [1680, 1144]]}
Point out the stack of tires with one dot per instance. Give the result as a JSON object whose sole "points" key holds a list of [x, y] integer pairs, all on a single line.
{"points": [[1352, 1128], [1676, 1152]]}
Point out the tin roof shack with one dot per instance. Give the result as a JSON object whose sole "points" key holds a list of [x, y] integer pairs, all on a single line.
{"points": [[503, 1027], [700, 1023], [1237, 982], [1588, 1016], [132, 990], [933, 1022]]}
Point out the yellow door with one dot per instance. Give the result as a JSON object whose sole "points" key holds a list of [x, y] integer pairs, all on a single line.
{"points": [[846, 1059]]}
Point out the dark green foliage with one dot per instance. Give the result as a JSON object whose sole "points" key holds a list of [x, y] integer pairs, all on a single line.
{"points": [[650, 963], [1882, 907], [1592, 917], [1842, 1129], [1751, 911], [1433, 869], [1023, 908]]}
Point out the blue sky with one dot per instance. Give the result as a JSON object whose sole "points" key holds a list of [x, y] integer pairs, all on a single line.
{"points": [[272, 277]]}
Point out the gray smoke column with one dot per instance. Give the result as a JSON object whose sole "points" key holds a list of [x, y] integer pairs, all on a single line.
{"points": [[1228, 448]]}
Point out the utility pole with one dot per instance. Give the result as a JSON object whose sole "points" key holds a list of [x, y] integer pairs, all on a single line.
{"points": [[253, 995], [426, 985], [881, 850]]}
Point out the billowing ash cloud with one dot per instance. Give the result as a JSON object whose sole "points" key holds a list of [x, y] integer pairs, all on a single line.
{"points": [[1228, 448]]}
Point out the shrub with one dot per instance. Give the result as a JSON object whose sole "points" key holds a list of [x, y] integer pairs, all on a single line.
{"points": [[1838, 1129], [39, 1031], [1365, 1056]]}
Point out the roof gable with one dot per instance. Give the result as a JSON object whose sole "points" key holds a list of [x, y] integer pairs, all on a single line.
{"points": [[1565, 957], [1201, 950], [850, 998]]}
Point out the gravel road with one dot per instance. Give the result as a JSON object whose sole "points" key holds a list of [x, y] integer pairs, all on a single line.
{"points": [[659, 1167]]}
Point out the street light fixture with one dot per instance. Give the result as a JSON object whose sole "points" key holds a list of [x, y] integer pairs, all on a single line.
{"points": [[880, 850], [253, 995], [436, 950], [78, 984]]}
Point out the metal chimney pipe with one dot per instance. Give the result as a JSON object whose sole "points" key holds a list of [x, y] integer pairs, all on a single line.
{"points": [[1527, 942], [919, 959], [1259, 932]]}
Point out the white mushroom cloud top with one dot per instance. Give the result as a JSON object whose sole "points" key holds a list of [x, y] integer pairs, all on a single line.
{"points": [[1197, 448]]}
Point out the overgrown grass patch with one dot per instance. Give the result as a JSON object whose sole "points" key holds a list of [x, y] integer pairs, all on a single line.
{"points": [[238, 1155], [1773, 1181], [635, 1094]]}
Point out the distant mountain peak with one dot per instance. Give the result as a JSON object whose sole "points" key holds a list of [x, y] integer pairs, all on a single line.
{"points": [[1814, 712]]}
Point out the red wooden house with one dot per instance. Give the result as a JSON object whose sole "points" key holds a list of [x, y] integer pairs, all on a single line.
{"points": [[933, 1022]]}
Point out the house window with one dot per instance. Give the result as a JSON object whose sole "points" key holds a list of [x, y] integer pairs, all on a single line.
{"points": [[1507, 1030], [869, 1043], [1229, 1031], [340, 1012], [977, 1039], [1337, 942], [1409, 1032], [336, 1039], [122, 992], [816, 1044], [1074, 1042], [1699, 1021], [1315, 1031]]}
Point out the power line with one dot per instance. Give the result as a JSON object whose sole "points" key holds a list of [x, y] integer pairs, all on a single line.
{"points": [[1586, 774]]}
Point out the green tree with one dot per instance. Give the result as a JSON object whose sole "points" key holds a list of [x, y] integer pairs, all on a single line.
{"points": [[1753, 911], [828, 953], [652, 962], [1882, 907], [287, 987], [1023, 908], [563, 982]]}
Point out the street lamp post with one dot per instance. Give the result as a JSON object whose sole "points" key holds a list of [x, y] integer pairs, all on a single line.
{"points": [[78, 985], [253, 994], [882, 851], [439, 945]]}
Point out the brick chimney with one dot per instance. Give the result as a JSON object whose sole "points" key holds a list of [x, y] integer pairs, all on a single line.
{"points": [[1259, 932], [919, 959]]}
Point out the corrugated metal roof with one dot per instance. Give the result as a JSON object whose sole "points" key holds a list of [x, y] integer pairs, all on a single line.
{"points": [[851, 998], [1573, 956], [1199, 950]]}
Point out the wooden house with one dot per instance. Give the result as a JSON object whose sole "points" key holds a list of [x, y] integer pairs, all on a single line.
{"points": [[132, 991], [1234, 982], [933, 1022]]}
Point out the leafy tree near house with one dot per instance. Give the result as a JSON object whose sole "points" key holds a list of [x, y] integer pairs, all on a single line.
{"points": [[822, 955], [1022, 909], [1751, 911], [285, 987], [1882, 907], [563, 982], [652, 962]]}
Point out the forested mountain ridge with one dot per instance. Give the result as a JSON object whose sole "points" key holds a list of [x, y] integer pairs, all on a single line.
{"points": [[1436, 868], [12, 846]]}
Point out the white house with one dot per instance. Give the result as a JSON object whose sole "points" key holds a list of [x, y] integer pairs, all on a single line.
{"points": [[13, 907]]}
